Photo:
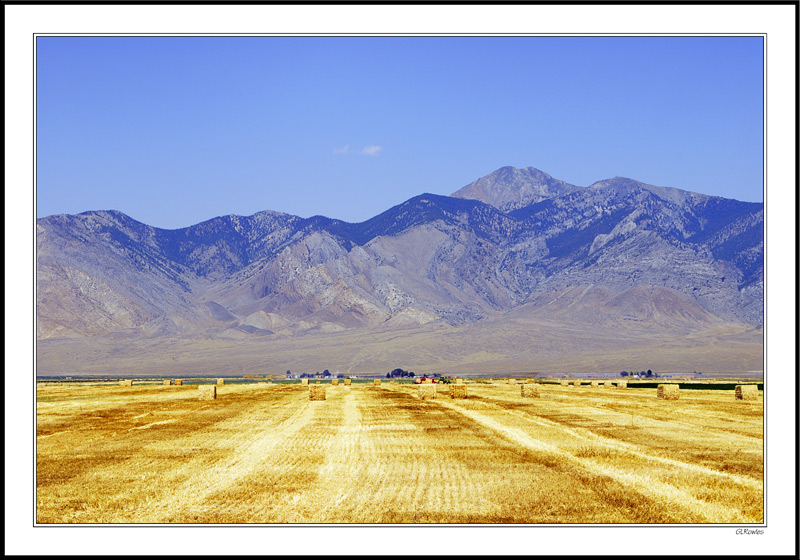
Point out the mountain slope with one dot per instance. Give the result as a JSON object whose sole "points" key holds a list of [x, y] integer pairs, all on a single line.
{"points": [[515, 244]]}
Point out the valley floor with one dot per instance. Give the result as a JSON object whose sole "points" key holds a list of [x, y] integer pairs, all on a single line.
{"points": [[267, 454]]}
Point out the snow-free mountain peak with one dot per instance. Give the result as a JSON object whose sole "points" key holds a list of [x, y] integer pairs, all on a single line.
{"points": [[509, 188]]}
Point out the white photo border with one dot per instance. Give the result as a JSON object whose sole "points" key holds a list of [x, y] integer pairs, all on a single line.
{"points": [[774, 21]]}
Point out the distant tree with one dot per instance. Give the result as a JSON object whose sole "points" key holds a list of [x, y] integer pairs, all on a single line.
{"points": [[649, 373], [326, 373], [288, 372], [623, 373]]}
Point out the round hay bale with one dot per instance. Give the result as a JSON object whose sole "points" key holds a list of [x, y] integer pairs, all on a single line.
{"points": [[622, 384], [564, 383], [595, 383], [576, 383]]}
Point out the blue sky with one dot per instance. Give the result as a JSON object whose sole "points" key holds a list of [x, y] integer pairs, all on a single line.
{"points": [[174, 131]]}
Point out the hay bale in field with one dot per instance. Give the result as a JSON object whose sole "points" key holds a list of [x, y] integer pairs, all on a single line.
{"points": [[622, 384], [126, 383], [576, 383], [334, 382], [207, 392], [304, 382], [376, 382], [316, 392], [595, 383], [511, 381], [426, 391], [179, 382], [459, 381], [669, 392], [348, 381], [220, 381], [746, 392], [564, 382], [458, 391], [168, 382], [608, 384], [530, 390]]}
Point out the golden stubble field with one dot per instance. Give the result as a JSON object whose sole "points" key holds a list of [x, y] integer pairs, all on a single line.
{"points": [[267, 454]]}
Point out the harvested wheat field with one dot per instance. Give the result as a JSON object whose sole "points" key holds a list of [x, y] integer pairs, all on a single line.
{"points": [[269, 454]]}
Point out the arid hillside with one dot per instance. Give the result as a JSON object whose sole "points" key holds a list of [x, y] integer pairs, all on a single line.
{"points": [[517, 255]]}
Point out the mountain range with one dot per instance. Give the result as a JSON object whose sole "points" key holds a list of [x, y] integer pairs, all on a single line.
{"points": [[618, 256]]}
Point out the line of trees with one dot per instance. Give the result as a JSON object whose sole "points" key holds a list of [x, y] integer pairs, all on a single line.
{"points": [[397, 372], [648, 373], [325, 373]]}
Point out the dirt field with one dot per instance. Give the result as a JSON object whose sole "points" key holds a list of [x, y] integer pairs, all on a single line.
{"points": [[267, 454]]}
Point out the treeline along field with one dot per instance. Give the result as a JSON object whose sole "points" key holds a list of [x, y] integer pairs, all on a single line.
{"points": [[265, 453]]}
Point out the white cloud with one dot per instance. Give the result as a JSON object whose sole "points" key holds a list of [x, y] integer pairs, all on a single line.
{"points": [[371, 150]]}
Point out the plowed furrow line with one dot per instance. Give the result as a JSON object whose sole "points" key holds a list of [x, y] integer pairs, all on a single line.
{"points": [[582, 434], [644, 484], [646, 416], [249, 447]]}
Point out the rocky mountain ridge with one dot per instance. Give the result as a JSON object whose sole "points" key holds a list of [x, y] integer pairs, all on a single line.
{"points": [[514, 241]]}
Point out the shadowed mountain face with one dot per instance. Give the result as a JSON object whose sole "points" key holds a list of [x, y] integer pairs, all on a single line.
{"points": [[514, 242]]}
